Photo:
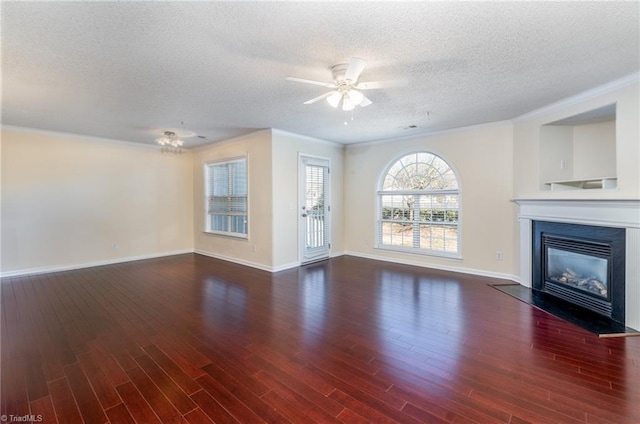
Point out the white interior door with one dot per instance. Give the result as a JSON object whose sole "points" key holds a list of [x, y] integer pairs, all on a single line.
{"points": [[315, 223]]}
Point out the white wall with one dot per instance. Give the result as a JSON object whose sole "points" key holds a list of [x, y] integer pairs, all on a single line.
{"points": [[556, 144], [257, 249], [528, 154], [286, 216], [67, 199], [594, 141], [482, 157]]}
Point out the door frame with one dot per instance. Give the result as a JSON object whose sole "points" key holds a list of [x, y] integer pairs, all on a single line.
{"points": [[303, 160]]}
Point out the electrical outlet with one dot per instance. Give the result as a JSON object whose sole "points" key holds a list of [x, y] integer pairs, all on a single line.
{"points": [[499, 255], [114, 246]]}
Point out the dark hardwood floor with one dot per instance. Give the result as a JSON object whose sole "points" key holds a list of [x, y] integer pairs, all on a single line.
{"points": [[191, 339]]}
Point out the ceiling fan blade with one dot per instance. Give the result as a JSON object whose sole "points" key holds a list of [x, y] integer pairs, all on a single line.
{"points": [[356, 66], [316, 99], [365, 102], [306, 81], [381, 84]]}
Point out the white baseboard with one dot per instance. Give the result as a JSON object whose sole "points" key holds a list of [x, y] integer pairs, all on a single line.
{"points": [[263, 267], [234, 260], [285, 266], [69, 267], [297, 263], [336, 254], [471, 271]]}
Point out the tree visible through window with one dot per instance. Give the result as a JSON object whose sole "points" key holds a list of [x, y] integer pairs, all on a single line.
{"points": [[419, 204]]}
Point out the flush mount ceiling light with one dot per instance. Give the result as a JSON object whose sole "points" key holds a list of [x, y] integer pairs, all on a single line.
{"points": [[170, 142], [346, 87]]}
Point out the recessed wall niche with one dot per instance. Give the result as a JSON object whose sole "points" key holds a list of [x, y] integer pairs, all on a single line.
{"points": [[579, 152]]}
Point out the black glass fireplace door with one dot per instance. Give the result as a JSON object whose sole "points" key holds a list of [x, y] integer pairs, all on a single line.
{"points": [[579, 271], [581, 264]]}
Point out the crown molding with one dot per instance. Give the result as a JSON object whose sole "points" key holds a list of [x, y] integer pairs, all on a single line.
{"points": [[579, 98], [51, 133], [450, 131], [212, 144], [306, 137]]}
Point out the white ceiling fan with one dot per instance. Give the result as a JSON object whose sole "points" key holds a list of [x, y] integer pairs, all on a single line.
{"points": [[345, 86]]}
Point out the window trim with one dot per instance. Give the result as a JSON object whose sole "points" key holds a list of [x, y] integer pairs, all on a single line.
{"points": [[378, 205], [207, 219]]}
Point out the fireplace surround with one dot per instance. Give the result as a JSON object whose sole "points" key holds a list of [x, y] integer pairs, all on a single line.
{"points": [[581, 264], [620, 216]]}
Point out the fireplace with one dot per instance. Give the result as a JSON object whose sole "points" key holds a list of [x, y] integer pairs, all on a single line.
{"points": [[581, 264], [620, 215]]}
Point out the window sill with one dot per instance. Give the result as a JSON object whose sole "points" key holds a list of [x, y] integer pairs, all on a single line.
{"points": [[237, 236], [421, 252]]}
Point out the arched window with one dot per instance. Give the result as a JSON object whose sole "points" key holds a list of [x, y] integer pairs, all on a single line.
{"points": [[419, 206]]}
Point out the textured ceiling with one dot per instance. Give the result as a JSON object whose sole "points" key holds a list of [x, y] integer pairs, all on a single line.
{"points": [[129, 70]]}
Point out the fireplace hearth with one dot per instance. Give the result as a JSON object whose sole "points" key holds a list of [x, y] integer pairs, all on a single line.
{"points": [[582, 265]]}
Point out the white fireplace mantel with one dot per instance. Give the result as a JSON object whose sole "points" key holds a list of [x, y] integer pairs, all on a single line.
{"points": [[623, 213]]}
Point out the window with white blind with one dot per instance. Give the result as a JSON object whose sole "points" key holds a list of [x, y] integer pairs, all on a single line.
{"points": [[419, 206], [226, 197]]}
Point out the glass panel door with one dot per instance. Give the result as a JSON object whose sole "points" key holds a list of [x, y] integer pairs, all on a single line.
{"points": [[315, 209]]}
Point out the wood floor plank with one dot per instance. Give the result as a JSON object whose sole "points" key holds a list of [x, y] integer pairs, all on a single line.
{"points": [[137, 406], [197, 417], [14, 387], [88, 403], [186, 383], [119, 414], [100, 382], [108, 364], [317, 410], [294, 368], [212, 408], [291, 411], [238, 368], [35, 376], [245, 391], [63, 402], [379, 402], [171, 390], [429, 398], [347, 416], [60, 353], [192, 339], [311, 396], [185, 364], [31, 324], [43, 411], [154, 396], [434, 414], [235, 406], [361, 409], [525, 409]]}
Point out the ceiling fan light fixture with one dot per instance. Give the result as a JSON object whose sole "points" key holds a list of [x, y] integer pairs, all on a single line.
{"points": [[347, 103], [355, 96], [334, 99], [346, 88], [170, 142]]}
